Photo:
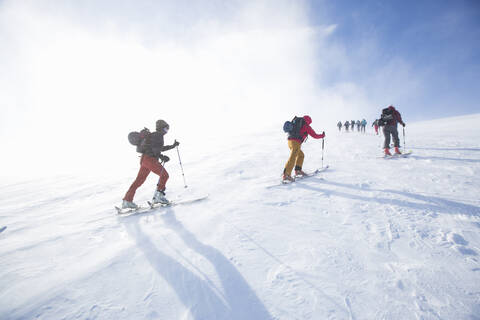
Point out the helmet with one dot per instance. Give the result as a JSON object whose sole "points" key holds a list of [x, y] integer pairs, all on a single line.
{"points": [[161, 124]]}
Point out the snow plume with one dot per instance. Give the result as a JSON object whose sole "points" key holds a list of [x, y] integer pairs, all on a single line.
{"points": [[80, 76]]}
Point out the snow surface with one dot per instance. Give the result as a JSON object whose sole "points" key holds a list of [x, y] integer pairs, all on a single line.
{"points": [[368, 239]]}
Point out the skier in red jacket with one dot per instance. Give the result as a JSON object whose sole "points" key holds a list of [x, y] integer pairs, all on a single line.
{"points": [[389, 119], [295, 140]]}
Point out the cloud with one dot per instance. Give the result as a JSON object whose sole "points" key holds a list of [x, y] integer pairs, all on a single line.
{"points": [[79, 76], [78, 80]]}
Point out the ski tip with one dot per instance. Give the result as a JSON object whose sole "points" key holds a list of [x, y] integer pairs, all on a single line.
{"points": [[321, 169], [3, 228]]}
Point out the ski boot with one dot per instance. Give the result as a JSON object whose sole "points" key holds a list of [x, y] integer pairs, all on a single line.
{"points": [[397, 151], [159, 197], [387, 152], [129, 205], [287, 178], [300, 173]]}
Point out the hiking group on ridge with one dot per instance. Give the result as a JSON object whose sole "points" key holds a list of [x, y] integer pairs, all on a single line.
{"points": [[361, 125]]}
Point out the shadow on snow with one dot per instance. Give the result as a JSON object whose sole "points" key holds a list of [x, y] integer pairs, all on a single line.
{"points": [[235, 300], [446, 149], [434, 204], [444, 158]]}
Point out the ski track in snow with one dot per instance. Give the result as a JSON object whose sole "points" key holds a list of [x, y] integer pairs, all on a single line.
{"points": [[367, 239]]}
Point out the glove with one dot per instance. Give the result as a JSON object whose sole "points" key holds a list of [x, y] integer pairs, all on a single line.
{"points": [[323, 134], [176, 143], [403, 124], [164, 158]]}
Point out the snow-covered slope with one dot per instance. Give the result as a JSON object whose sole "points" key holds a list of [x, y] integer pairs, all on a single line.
{"points": [[368, 239]]}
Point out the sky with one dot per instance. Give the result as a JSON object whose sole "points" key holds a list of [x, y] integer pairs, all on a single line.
{"points": [[423, 56], [77, 76]]}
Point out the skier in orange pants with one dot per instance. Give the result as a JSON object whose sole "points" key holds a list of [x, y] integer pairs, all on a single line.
{"points": [[301, 129]]}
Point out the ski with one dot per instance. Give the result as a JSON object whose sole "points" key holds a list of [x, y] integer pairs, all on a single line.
{"points": [[154, 206], [3, 229], [297, 178], [176, 203], [311, 174], [395, 156], [128, 211]]}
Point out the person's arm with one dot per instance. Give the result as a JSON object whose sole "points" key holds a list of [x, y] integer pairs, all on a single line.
{"points": [[399, 118], [157, 145], [166, 148], [313, 134]]}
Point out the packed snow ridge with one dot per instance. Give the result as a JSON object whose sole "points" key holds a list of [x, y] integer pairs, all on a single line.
{"points": [[368, 238]]}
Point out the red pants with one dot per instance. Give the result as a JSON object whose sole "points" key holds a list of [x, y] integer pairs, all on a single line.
{"points": [[147, 164]]}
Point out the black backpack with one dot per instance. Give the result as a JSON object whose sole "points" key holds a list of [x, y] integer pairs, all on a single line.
{"points": [[387, 115], [140, 139], [293, 127]]}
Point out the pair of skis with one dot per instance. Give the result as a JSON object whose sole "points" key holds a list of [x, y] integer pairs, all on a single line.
{"points": [[154, 206], [395, 156], [297, 178]]}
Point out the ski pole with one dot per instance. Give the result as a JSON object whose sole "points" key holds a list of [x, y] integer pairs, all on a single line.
{"points": [[181, 166], [404, 140], [323, 147]]}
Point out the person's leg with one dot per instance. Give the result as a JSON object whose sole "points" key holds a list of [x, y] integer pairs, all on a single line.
{"points": [[396, 139], [163, 178], [153, 165], [386, 133], [141, 177], [299, 161], [294, 149]]}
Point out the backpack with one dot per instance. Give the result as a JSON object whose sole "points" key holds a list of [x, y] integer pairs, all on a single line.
{"points": [[386, 116], [140, 139], [293, 127]]}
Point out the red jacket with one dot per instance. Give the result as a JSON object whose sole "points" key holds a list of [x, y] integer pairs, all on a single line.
{"points": [[307, 130]]}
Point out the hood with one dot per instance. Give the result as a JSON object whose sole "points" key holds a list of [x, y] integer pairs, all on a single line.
{"points": [[160, 124], [307, 119], [391, 107]]}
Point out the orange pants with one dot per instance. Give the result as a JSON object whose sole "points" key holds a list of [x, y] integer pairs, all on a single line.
{"points": [[296, 156], [147, 164]]}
